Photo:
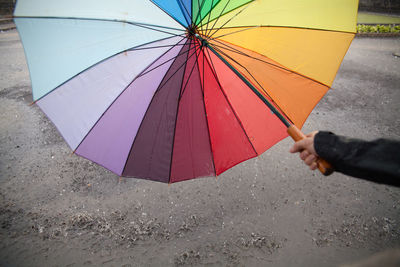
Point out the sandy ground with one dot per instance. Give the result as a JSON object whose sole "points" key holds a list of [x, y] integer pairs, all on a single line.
{"points": [[57, 209]]}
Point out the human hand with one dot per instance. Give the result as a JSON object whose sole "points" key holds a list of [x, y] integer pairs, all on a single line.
{"points": [[307, 150]]}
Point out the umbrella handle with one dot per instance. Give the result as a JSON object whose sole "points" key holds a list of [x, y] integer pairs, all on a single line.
{"points": [[324, 167]]}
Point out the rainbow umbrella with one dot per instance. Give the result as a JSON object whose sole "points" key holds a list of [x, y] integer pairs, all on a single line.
{"points": [[179, 89]]}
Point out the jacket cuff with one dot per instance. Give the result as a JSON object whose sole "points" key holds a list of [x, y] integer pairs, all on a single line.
{"points": [[325, 146]]}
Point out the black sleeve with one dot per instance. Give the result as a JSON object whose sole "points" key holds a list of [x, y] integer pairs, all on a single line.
{"points": [[377, 161]]}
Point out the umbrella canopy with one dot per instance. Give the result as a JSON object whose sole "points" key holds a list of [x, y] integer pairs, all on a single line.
{"points": [[178, 89]]}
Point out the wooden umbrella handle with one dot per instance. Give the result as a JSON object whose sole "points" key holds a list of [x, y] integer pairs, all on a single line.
{"points": [[324, 167]]}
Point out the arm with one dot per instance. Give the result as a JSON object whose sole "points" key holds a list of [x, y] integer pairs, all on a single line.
{"points": [[377, 161]]}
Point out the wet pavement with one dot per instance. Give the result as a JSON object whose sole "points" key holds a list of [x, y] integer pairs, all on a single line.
{"points": [[57, 209]]}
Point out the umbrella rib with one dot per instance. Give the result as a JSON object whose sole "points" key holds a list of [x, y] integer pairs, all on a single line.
{"points": [[162, 85], [176, 114], [141, 123], [184, 10], [215, 22], [223, 53], [295, 27], [179, 67], [232, 10], [184, 88], [199, 11], [202, 49], [230, 33], [266, 101], [232, 49], [163, 63], [167, 13], [230, 105], [209, 14], [277, 26], [234, 16], [158, 126], [205, 110], [145, 25], [261, 87], [152, 47], [183, 91], [149, 27], [101, 61], [132, 81]]}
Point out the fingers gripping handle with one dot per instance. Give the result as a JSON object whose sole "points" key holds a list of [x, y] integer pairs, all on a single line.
{"points": [[297, 135]]}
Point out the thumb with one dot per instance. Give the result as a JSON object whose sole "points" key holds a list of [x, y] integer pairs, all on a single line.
{"points": [[298, 146]]}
